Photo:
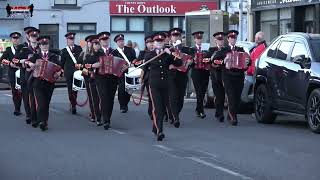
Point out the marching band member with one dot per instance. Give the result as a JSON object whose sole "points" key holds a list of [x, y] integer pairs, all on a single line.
{"points": [[145, 72], [8, 55], [106, 84], [158, 81], [200, 74], [129, 55], [69, 60], [89, 81], [43, 89], [24, 52], [233, 80], [177, 80], [217, 55]]}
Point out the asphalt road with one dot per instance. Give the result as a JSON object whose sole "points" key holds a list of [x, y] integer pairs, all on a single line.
{"points": [[202, 149]]}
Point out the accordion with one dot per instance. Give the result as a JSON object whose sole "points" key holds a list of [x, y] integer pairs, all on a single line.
{"points": [[236, 60], [45, 70], [199, 64], [112, 65], [185, 62]]}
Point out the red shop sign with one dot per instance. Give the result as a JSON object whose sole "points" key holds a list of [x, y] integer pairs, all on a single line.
{"points": [[158, 7]]}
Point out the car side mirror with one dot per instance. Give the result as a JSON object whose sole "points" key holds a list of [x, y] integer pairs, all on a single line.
{"points": [[301, 60]]}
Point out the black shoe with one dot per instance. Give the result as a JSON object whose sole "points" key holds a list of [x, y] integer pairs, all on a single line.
{"points": [[99, 123], [28, 121], [17, 113], [43, 126], [160, 136], [197, 113], [202, 115], [176, 124], [35, 124], [234, 123], [74, 110], [154, 130], [124, 110], [220, 119], [171, 121], [106, 126]]}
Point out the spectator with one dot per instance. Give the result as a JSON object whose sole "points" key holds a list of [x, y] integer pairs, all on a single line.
{"points": [[129, 44], [136, 48], [257, 51]]}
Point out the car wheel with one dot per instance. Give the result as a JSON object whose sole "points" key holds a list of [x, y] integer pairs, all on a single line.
{"points": [[313, 111], [262, 105]]}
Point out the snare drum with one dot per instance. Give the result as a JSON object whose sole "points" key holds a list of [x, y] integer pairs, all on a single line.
{"points": [[132, 79], [78, 81]]}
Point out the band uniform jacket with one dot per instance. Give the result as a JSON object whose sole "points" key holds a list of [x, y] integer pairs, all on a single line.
{"points": [[23, 52], [8, 55], [67, 62]]}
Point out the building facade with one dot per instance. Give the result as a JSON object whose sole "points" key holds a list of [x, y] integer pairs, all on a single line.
{"points": [[136, 19], [57, 17], [276, 17]]}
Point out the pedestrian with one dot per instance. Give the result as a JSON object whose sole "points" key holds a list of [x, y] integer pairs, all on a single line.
{"points": [[136, 48], [8, 55], [261, 45], [158, 81], [129, 55], [43, 89], [69, 59]]}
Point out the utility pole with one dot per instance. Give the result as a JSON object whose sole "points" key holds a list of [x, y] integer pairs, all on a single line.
{"points": [[241, 19]]}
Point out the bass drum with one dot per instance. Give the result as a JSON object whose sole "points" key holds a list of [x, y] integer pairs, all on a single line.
{"points": [[17, 80], [132, 80], [78, 81]]}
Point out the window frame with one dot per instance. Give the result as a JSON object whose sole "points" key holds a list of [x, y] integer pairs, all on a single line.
{"points": [[55, 4], [289, 52], [81, 27]]}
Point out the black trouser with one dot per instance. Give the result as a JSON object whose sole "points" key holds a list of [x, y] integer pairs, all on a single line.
{"points": [[177, 89], [25, 97], [158, 94], [200, 78], [32, 101], [16, 97], [72, 94], [218, 90], [123, 96], [107, 87], [146, 85], [94, 100], [43, 92], [233, 84]]}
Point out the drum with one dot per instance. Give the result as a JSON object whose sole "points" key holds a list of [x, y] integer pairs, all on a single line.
{"points": [[17, 80], [78, 81], [236, 60], [132, 80]]}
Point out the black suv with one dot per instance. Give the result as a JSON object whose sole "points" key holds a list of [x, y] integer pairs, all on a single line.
{"points": [[287, 79]]}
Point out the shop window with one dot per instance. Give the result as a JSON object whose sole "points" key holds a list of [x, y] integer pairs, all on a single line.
{"points": [[160, 23], [175, 22], [283, 50], [118, 24], [136, 24], [309, 20], [65, 2], [269, 24]]}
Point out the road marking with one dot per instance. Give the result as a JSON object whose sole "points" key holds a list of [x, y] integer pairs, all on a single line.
{"points": [[220, 168], [168, 154], [9, 95], [163, 147], [117, 131], [207, 153]]}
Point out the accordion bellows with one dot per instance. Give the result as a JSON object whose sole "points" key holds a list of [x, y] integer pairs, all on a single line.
{"points": [[185, 59], [199, 64], [236, 60], [45, 70], [112, 65]]}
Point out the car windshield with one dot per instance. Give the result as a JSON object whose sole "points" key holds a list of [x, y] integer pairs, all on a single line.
{"points": [[316, 48]]}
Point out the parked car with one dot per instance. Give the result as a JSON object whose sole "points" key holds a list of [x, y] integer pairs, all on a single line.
{"points": [[287, 79]]}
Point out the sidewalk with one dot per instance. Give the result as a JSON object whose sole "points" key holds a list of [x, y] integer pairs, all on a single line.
{"points": [[4, 86]]}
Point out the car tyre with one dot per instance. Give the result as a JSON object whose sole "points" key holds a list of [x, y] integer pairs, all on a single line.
{"points": [[263, 106], [313, 111]]}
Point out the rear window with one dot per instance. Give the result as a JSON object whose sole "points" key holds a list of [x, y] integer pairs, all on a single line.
{"points": [[315, 44]]}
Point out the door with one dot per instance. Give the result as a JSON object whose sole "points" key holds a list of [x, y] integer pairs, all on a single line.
{"points": [[296, 78], [278, 72]]}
